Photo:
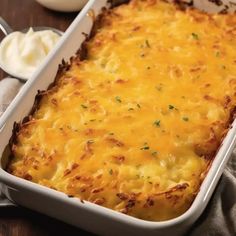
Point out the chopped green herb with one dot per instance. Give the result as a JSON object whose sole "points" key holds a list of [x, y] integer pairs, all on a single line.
{"points": [[138, 105], [150, 182], [159, 88], [195, 36], [171, 107], [157, 123], [103, 65], [111, 133], [83, 106], [111, 172], [223, 67], [154, 153], [145, 148], [185, 118], [147, 43], [142, 55], [148, 68], [217, 54], [130, 109], [118, 99], [92, 120]]}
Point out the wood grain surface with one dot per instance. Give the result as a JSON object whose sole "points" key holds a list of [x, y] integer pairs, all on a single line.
{"points": [[17, 221]]}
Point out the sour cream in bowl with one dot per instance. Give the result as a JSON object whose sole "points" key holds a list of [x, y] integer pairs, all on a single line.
{"points": [[22, 53]]}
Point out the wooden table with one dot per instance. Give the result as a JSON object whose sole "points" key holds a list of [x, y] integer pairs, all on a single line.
{"points": [[17, 221]]}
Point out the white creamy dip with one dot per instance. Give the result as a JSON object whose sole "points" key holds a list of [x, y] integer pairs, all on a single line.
{"points": [[22, 53]]}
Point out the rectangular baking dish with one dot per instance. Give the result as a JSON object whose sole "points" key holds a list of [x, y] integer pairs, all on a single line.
{"points": [[87, 215]]}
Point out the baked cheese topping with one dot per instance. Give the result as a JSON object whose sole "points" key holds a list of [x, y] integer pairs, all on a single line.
{"points": [[135, 125]]}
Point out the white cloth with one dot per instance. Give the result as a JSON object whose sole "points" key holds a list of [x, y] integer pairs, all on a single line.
{"points": [[9, 87], [219, 218]]}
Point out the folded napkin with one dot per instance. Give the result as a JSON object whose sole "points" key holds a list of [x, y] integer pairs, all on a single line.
{"points": [[9, 87], [8, 90], [219, 218]]}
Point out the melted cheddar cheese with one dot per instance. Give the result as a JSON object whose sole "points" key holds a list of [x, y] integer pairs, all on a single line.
{"points": [[135, 125]]}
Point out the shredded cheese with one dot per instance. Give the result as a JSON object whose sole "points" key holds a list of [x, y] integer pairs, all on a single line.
{"points": [[135, 125]]}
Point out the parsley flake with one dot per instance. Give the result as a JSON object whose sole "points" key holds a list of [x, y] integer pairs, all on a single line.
{"points": [[118, 99], [154, 153], [83, 106], [157, 123], [185, 118], [171, 107], [111, 172], [159, 88], [195, 36], [147, 43], [145, 147]]}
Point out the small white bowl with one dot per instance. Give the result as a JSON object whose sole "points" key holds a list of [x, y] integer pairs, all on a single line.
{"points": [[63, 5]]}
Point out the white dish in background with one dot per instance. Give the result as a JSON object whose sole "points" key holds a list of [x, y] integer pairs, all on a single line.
{"points": [[63, 5], [89, 216]]}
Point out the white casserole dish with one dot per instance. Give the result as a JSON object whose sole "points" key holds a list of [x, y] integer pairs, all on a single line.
{"points": [[87, 215]]}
